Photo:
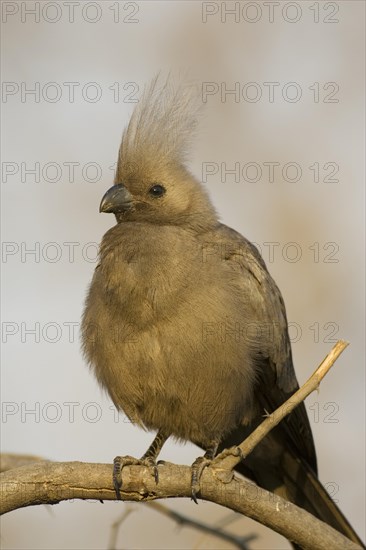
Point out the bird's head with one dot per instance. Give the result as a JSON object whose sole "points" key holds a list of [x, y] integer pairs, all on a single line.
{"points": [[171, 197], [152, 183]]}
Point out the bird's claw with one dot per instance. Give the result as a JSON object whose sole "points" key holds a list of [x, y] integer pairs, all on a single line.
{"points": [[118, 464], [121, 461], [231, 451], [197, 468], [151, 463]]}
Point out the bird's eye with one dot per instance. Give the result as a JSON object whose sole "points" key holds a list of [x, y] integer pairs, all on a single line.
{"points": [[157, 190]]}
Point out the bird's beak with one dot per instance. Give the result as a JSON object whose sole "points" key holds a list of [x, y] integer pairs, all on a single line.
{"points": [[116, 199]]}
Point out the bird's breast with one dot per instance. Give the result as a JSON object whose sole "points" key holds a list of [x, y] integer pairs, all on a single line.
{"points": [[150, 276], [159, 343]]}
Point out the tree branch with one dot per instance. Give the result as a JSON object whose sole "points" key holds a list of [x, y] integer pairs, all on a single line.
{"points": [[112, 545], [52, 482], [227, 458], [180, 519], [11, 460]]}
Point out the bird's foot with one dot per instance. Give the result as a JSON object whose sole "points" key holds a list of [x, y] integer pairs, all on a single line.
{"points": [[165, 463], [121, 461], [231, 451], [207, 460], [197, 468]]}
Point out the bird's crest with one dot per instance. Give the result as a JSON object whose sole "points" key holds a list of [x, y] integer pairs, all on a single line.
{"points": [[161, 127]]}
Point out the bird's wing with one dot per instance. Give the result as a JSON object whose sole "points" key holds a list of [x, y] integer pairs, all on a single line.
{"points": [[276, 376], [285, 460]]}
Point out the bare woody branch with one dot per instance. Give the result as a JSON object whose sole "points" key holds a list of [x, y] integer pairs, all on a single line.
{"points": [[228, 460], [52, 482], [181, 519]]}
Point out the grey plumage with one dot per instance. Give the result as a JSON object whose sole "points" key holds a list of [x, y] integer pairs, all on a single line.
{"points": [[183, 325]]}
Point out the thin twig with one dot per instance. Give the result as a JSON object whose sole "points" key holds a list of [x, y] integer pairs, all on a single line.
{"points": [[227, 458], [113, 534], [238, 542]]}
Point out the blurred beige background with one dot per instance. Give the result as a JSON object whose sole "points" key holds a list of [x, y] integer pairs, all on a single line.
{"points": [[86, 62]]}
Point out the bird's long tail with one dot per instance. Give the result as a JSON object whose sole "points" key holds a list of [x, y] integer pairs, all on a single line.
{"points": [[293, 478], [305, 489]]}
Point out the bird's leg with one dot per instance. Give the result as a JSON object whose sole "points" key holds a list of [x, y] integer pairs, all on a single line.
{"points": [[153, 452], [148, 459], [199, 465]]}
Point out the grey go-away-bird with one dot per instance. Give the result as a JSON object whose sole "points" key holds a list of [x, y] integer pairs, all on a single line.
{"points": [[183, 325]]}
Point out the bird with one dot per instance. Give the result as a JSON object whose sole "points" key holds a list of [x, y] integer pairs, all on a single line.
{"points": [[183, 325]]}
